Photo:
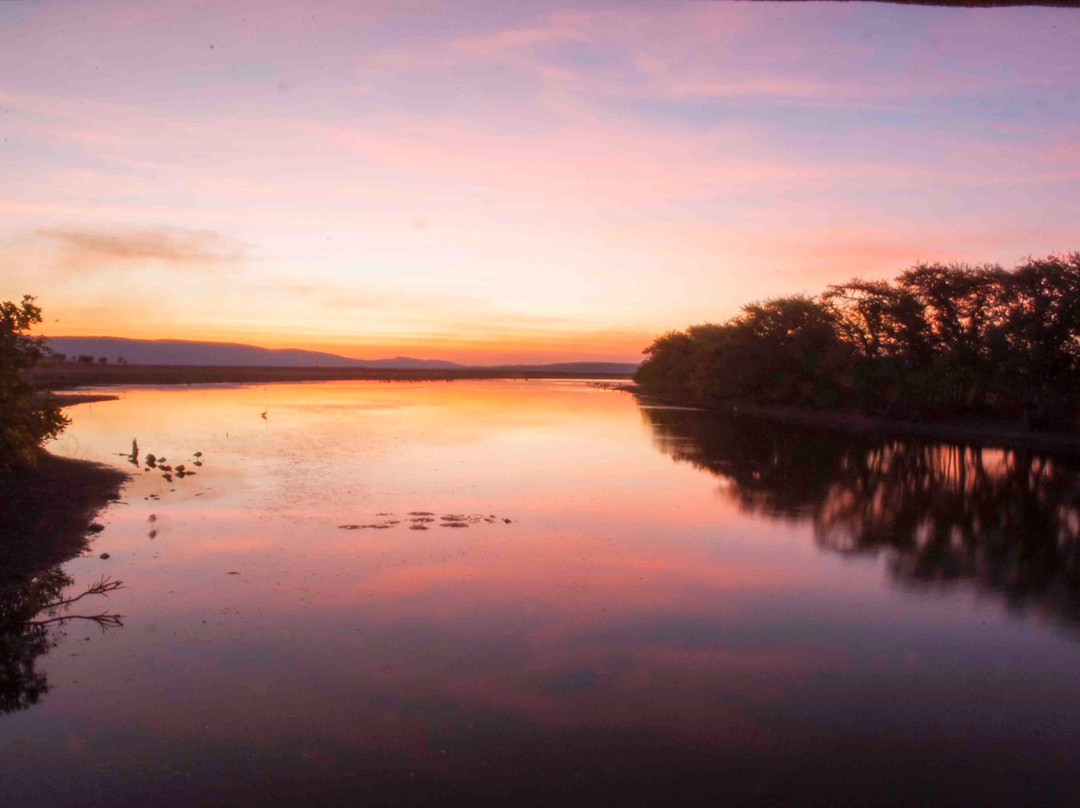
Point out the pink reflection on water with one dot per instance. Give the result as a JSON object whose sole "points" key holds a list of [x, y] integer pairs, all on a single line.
{"points": [[623, 592]]}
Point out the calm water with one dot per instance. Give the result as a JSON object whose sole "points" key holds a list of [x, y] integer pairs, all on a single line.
{"points": [[679, 608]]}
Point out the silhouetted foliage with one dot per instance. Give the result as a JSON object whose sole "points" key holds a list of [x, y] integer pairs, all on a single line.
{"points": [[1007, 521], [783, 351], [24, 421], [86, 359], [937, 342]]}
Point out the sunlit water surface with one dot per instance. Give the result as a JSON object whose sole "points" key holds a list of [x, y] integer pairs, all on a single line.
{"points": [[644, 606]]}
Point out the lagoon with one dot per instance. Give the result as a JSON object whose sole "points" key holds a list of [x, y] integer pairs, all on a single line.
{"points": [[548, 592]]}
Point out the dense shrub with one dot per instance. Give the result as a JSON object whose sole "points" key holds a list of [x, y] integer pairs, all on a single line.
{"points": [[939, 341], [25, 422]]}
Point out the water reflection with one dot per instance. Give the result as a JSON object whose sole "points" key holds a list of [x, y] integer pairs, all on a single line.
{"points": [[32, 617], [1006, 520], [628, 637]]}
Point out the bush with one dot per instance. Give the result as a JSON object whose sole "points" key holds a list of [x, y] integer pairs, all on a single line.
{"points": [[938, 342], [24, 423]]}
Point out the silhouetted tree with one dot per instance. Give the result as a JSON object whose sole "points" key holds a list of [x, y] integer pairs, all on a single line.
{"points": [[787, 352], [938, 342], [24, 421], [782, 351], [1042, 339], [672, 362]]}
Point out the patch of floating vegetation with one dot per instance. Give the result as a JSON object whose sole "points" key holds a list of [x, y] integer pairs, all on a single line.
{"points": [[422, 520], [160, 464]]}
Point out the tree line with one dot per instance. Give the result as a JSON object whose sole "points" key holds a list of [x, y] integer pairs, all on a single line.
{"points": [[939, 341]]}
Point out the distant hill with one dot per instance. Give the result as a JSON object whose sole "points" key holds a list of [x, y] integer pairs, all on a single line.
{"points": [[223, 354], [227, 354]]}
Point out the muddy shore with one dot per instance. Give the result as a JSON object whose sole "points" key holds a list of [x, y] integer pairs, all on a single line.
{"points": [[46, 513]]}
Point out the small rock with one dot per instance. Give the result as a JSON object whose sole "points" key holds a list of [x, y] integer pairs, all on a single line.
{"points": [[95, 527], [103, 555]]}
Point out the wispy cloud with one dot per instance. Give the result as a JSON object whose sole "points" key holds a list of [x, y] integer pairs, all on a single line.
{"points": [[96, 250]]}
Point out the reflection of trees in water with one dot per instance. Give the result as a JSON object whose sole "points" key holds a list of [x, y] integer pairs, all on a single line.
{"points": [[31, 617], [1009, 520]]}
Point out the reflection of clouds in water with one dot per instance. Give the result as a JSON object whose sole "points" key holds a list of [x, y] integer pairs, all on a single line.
{"points": [[1006, 520]]}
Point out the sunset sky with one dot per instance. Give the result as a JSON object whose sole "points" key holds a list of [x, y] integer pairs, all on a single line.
{"points": [[490, 182]]}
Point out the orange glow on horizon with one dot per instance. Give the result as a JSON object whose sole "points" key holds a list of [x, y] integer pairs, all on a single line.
{"points": [[528, 348]]}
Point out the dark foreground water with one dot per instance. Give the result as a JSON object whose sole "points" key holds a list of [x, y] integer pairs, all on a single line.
{"points": [[544, 593]]}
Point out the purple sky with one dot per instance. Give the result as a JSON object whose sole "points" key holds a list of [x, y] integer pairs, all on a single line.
{"points": [[513, 181]]}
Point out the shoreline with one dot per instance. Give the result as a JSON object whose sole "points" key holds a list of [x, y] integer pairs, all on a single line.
{"points": [[981, 433], [47, 513], [64, 400], [71, 376]]}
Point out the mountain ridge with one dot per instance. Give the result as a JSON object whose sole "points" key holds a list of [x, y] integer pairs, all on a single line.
{"points": [[176, 352]]}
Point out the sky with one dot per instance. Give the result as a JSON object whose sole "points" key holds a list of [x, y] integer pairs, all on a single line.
{"points": [[526, 182]]}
